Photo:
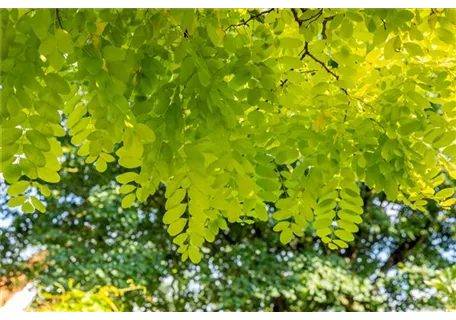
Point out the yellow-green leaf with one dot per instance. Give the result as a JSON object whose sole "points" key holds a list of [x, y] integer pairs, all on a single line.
{"points": [[286, 235], [177, 226], [444, 193], [194, 254], [48, 175], [174, 213], [16, 202], [128, 200], [18, 188], [126, 177], [38, 204]]}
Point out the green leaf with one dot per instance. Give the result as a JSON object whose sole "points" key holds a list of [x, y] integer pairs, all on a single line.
{"points": [[346, 29], [349, 217], [175, 199], [354, 16], [64, 41], [38, 140], [18, 188], [281, 226], [75, 116], [418, 99], [286, 235], [130, 162], [101, 165], [38, 204], [268, 185], [204, 77], [341, 243], [282, 214], [194, 254], [145, 133], [48, 175], [126, 177], [347, 225], [261, 212], [323, 232], [174, 213], [413, 49], [290, 43], [445, 35], [177, 226], [127, 188], [404, 15], [444, 140], [128, 200], [323, 223], [27, 208], [17, 201], [111, 53], [444, 193], [297, 229], [10, 135], [180, 239], [344, 235], [11, 173], [253, 96]]}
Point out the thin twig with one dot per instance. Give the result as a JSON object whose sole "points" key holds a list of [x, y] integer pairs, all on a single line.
{"points": [[314, 18], [307, 53], [58, 18], [30, 11], [325, 21], [244, 23], [296, 17]]}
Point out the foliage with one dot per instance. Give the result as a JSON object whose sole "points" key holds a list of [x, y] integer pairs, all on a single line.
{"points": [[445, 283], [87, 237], [234, 111], [75, 300]]}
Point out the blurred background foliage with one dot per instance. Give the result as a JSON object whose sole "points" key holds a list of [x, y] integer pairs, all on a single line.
{"points": [[123, 259]]}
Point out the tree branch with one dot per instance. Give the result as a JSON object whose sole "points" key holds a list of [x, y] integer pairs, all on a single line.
{"points": [[58, 18], [244, 23], [314, 17], [283, 82], [325, 21], [307, 53], [310, 19], [296, 17]]}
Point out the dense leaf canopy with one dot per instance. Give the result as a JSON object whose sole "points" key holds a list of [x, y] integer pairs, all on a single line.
{"points": [[234, 111]]}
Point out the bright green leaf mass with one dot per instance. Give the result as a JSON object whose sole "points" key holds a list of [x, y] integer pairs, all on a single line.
{"points": [[232, 110]]}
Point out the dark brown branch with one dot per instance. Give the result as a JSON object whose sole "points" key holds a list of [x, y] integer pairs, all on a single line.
{"points": [[244, 23], [282, 83], [296, 17], [58, 18], [307, 53], [30, 11], [325, 21], [310, 19], [314, 18]]}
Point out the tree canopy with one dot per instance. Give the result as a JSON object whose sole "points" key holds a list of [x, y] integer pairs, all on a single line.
{"points": [[234, 114]]}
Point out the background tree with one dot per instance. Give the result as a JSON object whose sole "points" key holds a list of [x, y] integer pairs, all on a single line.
{"points": [[87, 238]]}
